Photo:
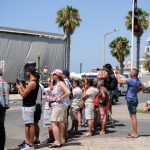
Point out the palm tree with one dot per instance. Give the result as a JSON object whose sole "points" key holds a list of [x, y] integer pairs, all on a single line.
{"points": [[146, 62], [69, 19], [120, 49], [142, 23]]}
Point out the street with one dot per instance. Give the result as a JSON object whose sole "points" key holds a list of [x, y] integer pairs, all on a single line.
{"points": [[15, 127]]}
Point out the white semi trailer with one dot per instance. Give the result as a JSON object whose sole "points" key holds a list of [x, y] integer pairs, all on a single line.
{"points": [[18, 46]]}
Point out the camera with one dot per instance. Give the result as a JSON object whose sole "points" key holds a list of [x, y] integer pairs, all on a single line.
{"points": [[17, 81]]}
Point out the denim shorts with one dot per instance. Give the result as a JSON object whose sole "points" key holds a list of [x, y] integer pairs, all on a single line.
{"points": [[132, 105]]}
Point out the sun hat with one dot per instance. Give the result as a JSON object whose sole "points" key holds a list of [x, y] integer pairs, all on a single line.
{"points": [[57, 72]]}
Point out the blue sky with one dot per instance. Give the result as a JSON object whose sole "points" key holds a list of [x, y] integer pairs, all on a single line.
{"points": [[98, 17]]}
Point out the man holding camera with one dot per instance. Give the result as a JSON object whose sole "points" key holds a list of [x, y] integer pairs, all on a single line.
{"points": [[29, 94], [4, 102], [110, 81]]}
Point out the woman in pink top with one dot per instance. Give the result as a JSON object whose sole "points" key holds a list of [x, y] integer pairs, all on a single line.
{"points": [[58, 94]]}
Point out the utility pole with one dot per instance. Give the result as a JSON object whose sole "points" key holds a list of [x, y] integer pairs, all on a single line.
{"points": [[80, 67]]}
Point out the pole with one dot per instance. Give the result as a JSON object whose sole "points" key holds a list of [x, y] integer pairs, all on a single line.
{"points": [[115, 30], [38, 59], [80, 67], [104, 50], [132, 38]]}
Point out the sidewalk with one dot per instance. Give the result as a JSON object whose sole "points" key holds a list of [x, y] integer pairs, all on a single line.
{"points": [[15, 97], [112, 143], [108, 144]]}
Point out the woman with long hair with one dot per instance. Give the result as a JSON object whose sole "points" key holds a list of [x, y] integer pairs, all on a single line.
{"points": [[58, 94]]}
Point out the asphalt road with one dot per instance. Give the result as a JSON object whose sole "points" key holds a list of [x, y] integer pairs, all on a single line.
{"points": [[15, 127]]}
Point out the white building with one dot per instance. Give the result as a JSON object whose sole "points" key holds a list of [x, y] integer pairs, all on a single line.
{"points": [[147, 47]]}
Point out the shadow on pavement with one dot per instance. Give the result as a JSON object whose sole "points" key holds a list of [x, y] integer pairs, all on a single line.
{"points": [[146, 135]]}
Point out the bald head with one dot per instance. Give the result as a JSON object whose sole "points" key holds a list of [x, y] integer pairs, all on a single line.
{"points": [[1, 71]]}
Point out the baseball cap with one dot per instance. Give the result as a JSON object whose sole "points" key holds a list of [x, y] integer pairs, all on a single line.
{"points": [[108, 66], [57, 72], [30, 67], [66, 73]]}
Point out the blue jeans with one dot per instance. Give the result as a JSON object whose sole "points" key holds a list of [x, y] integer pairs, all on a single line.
{"points": [[132, 105], [2, 128]]}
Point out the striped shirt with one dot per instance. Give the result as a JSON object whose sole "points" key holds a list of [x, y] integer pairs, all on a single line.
{"points": [[4, 92]]}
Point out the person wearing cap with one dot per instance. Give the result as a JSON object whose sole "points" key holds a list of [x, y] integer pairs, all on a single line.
{"points": [[58, 94], [67, 101], [109, 81], [4, 104], [29, 95]]}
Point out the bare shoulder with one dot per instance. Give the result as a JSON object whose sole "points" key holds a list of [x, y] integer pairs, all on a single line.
{"points": [[32, 85]]}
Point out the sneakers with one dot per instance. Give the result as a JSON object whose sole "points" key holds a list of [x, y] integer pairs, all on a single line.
{"points": [[28, 147], [22, 144], [49, 140], [31, 148], [37, 142]]}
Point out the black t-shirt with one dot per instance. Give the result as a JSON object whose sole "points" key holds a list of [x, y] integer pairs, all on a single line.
{"points": [[30, 99], [108, 81]]}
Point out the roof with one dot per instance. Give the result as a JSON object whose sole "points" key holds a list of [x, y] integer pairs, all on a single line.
{"points": [[32, 33]]}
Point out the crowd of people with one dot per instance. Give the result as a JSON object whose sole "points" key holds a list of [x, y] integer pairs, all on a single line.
{"points": [[86, 101]]}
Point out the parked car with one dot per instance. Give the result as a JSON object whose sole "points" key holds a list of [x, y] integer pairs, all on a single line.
{"points": [[123, 87], [147, 87]]}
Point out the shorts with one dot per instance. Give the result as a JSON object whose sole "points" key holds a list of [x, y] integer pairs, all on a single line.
{"points": [[28, 114], [37, 113], [132, 105], [47, 117], [89, 113], [58, 114], [74, 113]]}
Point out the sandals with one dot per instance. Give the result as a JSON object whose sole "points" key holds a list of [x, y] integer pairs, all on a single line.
{"points": [[88, 134], [102, 133], [132, 136], [55, 145]]}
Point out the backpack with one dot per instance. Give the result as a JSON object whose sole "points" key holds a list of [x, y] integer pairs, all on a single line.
{"points": [[39, 95], [111, 83], [114, 82]]}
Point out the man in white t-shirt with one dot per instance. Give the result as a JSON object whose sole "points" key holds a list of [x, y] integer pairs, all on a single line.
{"points": [[89, 96]]}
